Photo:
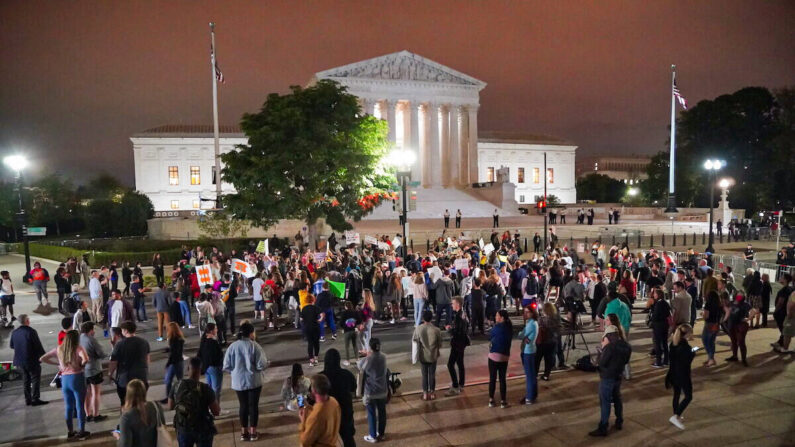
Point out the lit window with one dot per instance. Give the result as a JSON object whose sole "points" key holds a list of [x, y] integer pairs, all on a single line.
{"points": [[520, 176], [173, 175], [536, 175], [489, 174], [195, 175], [550, 175], [175, 204], [196, 204]]}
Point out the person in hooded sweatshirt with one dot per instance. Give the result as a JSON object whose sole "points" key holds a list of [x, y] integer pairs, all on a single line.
{"points": [[343, 386]]}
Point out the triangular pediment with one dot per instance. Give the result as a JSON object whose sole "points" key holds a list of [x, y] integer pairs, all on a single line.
{"points": [[401, 66]]}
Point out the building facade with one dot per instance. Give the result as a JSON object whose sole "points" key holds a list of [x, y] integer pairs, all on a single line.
{"points": [[432, 110], [627, 169]]}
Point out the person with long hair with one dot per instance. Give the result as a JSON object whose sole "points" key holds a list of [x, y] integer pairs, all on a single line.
{"points": [[393, 296], [529, 335], [548, 332], [295, 385], [737, 319], [245, 360], [658, 318], [366, 327], [93, 372], [420, 292], [499, 353], [212, 358], [175, 367], [678, 375], [139, 418], [713, 314], [312, 318], [70, 358]]}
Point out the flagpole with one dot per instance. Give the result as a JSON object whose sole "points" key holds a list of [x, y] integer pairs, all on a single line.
{"points": [[215, 119], [672, 161]]}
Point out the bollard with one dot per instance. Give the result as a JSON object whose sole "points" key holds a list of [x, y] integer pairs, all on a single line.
{"points": [[411, 242], [651, 241], [703, 237], [674, 238], [639, 240], [626, 240], [720, 237], [663, 240], [586, 243], [614, 239], [571, 241], [694, 238], [427, 245], [525, 245]]}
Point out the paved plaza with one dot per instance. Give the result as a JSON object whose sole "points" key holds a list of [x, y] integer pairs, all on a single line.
{"points": [[732, 405]]}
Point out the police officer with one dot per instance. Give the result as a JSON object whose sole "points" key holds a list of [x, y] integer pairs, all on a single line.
{"points": [[749, 253]]}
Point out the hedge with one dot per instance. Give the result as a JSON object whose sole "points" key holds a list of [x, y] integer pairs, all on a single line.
{"points": [[97, 258]]}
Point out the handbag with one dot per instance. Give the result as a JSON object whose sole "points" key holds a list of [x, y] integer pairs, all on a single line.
{"points": [[164, 437], [415, 352]]}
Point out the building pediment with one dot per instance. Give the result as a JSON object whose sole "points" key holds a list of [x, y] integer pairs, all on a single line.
{"points": [[401, 66]]}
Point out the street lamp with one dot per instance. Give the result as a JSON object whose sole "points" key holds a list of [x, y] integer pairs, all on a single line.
{"points": [[632, 192], [18, 163], [403, 160], [712, 166]]}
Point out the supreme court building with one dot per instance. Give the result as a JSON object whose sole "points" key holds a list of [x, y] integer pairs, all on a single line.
{"points": [[431, 110]]}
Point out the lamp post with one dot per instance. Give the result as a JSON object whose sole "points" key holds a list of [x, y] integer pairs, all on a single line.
{"points": [[712, 166], [18, 163], [402, 160]]}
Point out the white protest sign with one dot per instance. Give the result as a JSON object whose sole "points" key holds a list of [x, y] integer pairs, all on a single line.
{"points": [[580, 247], [369, 240], [396, 242], [352, 237], [461, 264], [488, 249], [480, 243], [204, 274], [320, 257], [383, 246]]}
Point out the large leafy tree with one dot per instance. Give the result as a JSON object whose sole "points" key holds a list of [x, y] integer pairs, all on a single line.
{"points": [[601, 188], [749, 130], [311, 153], [55, 203]]}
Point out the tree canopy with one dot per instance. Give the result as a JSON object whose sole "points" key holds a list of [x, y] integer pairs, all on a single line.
{"points": [[601, 188], [311, 153], [752, 131]]}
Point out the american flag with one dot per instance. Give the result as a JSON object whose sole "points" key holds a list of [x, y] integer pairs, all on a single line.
{"points": [[219, 76], [678, 96]]}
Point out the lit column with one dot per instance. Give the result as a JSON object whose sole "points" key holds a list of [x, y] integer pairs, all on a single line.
{"points": [[368, 106], [436, 162], [389, 105], [426, 145], [445, 145], [455, 147], [413, 115], [473, 143], [464, 144]]}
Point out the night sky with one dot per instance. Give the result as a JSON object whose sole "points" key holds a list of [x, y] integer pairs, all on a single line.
{"points": [[79, 77]]}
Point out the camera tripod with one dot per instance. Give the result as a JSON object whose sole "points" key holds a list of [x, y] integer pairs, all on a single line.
{"points": [[575, 328]]}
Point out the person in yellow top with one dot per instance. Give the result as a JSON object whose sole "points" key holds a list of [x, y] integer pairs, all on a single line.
{"points": [[320, 423], [303, 295]]}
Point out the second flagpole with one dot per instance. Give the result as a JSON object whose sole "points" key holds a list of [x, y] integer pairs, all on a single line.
{"points": [[216, 135], [672, 161]]}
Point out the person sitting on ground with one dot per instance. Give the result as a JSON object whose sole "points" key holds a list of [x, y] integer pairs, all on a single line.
{"points": [[294, 386]]}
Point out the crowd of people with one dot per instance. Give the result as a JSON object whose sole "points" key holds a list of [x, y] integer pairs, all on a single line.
{"points": [[463, 288]]}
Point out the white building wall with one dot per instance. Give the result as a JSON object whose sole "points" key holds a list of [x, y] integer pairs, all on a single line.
{"points": [[154, 155], [560, 158]]}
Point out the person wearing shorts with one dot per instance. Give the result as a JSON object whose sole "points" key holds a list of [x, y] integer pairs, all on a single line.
{"points": [[6, 300], [93, 371], [256, 295]]}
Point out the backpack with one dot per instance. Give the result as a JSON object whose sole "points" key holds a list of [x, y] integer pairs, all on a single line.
{"points": [[190, 410], [532, 285], [584, 363], [71, 304], [267, 293]]}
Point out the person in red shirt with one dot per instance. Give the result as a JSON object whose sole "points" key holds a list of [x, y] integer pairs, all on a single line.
{"points": [[66, 324], [39, 277]]}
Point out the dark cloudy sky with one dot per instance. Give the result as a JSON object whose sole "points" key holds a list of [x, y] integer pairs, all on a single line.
{"points": [[79, 77]]}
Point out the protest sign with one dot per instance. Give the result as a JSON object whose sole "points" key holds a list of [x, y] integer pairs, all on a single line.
{"points": [[488, 249], [352, 237], [204, 274], [369, 240], [461, 264], [262, 247], [320, 257]]}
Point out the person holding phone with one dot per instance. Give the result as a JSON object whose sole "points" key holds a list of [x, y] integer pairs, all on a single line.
{"points": [[678, 377], [320, 422]]}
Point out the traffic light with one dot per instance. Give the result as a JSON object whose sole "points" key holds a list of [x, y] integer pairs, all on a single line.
{"points": [[542, 206]]}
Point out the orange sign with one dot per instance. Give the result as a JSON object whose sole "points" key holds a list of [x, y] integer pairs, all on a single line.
{"points": [[204, 274]]}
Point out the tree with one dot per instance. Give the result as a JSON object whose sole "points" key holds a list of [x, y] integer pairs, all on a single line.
{"points": [[311, 153], [601, 188], [54, 203], [125, 216], [220, 225], [748, 130]]}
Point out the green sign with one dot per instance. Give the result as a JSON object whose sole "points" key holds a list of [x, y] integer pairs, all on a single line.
{"points": [[37, 231]]}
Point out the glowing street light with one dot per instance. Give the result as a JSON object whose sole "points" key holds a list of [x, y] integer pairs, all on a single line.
{"points": [[403, 159], [632, 192], [18, 163], [712, 166]]}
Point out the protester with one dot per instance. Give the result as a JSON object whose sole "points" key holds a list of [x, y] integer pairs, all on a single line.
{"points": [[614, 356], [295, 385], [366, 327], [175, 366], [139, 419], [376, 390], [245, 361], [129, 359], [161, 300], [429, 342], [325, 306], [343, 387], [713, 314], [780, 308], [529, 335], [194, 404], [212, 358], [70, 358], [7, 298], [547, 338], [27, 352], [499, 353], [459, 340], [93, 372], [351, 319], [737, 320], [678, 375], [420, 293], [312, 318], [658, 318], [39, 277], [320, 422]]}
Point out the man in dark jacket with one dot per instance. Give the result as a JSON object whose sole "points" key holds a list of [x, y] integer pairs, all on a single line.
{"points": [[615, 355], [458, 343], [27, 351], [343, 385]]}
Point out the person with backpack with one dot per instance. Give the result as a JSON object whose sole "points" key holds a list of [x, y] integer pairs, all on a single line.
{"points": [[375, 393], [82, 315], [194, 404], [547, 339], [174, 364]]}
